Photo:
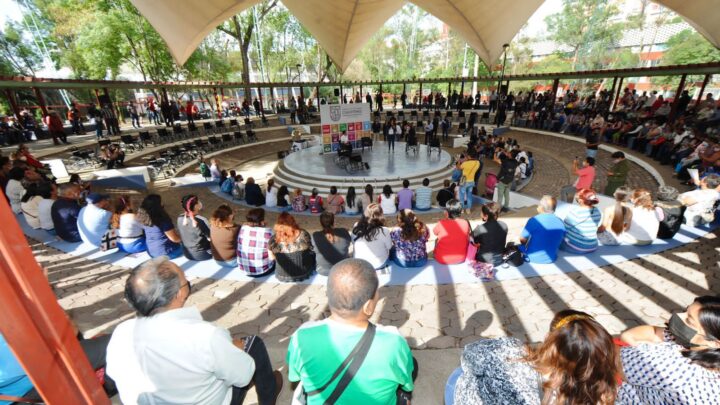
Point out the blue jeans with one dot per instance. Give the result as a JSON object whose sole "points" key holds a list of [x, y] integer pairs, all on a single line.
{"points": [[391, 142], [136, 246], [407, 263], [591, 153], [466, 194]]}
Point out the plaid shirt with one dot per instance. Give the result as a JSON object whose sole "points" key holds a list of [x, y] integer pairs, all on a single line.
{"points": [[252, 250]]}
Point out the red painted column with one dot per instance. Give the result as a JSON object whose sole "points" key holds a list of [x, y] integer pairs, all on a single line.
{"points": [[260, 99], [217, 103], [617, 94], [676, 99], [40, 100], [10, 94], [702, 90], [112, 105], [36, 328]]}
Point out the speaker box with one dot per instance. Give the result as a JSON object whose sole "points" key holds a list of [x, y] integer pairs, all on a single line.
{"points": [[337, 92]]}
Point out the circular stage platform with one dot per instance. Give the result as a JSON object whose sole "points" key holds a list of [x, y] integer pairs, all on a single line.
{"points": [[308, 168]]}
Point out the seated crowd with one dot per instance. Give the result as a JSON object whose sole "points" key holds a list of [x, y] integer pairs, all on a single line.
{"points": [[169, 354], [686, 138]]}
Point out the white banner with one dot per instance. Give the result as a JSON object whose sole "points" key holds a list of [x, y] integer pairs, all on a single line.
{"points": [[344, 113]]}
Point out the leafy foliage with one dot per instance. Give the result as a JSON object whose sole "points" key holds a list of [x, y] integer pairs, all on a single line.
{"points": [[19, 57]]}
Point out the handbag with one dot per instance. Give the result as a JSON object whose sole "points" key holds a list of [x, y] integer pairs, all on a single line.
{"points": [[109, 240], [471, 252], [356, 356], [513, 255]]}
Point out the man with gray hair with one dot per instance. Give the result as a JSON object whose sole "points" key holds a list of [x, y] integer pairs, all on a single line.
{"points": [[169, 354], [543, 233], [381, 368], [701, 203]]}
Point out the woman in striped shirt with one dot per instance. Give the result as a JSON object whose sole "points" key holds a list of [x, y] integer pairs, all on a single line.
{"points": [[582, 222]]}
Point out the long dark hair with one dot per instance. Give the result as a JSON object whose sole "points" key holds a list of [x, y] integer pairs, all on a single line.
{"points": [[580, 360], [350, 197], [151, 211], [387, 190], [369, 191], [282, 192], [709, 319], [620, 210], [32, 191], [371, 223], [327, 222]]}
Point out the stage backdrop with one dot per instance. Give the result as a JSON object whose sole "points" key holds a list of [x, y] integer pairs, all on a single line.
{"points": [[336, 118]]}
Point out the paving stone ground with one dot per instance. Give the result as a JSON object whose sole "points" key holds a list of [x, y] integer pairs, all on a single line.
{"points": [[447, 317]]}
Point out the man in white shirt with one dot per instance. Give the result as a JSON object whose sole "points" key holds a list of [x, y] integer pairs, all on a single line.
{"points": [[94, 218], [700, 202], [168, 354]]}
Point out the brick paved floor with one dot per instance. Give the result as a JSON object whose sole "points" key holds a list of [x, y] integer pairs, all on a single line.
{"points": [[641, 290]]}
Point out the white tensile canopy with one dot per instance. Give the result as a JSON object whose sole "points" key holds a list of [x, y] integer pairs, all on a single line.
{"points": [[342, 27]]}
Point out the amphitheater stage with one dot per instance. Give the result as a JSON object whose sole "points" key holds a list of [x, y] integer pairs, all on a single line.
{"points": [[308, 168]]}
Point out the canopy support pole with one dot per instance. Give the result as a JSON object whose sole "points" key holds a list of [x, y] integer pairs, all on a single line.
{"points": [[41, 100], [702, 90], [676, 99], [617, 94], [10, 94]]}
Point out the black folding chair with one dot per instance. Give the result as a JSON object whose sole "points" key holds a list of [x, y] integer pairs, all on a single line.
{"points": [[163, 135], [239, 139], [207, 128], [251, 135], [130, 142], [219, 126], [145, 137]]}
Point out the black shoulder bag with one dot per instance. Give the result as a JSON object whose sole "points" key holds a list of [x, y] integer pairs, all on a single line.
{"points": [[355, 360]]}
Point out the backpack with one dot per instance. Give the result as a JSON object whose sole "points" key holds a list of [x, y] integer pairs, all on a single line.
{"points": [[205, 170], [507, 172], [315, 204], [227, 186]]}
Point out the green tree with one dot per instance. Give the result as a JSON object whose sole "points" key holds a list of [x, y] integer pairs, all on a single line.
{"points": [[687, 47], [18, 56], [241, 27], [586, 28]]}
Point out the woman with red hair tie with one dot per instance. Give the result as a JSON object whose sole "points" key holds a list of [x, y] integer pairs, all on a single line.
{"points": [[293, 250]]}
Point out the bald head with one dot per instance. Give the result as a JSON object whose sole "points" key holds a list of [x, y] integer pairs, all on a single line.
{"points": [[153, 286], [351, 284]]}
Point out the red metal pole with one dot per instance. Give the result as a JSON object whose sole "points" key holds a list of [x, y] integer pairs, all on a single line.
{"points": [[36, 328], [702, 90], [217, 103], [556, 84], [676, 99], [41, 100], [617, 94], [13, 102], [262, 108], [112, 105]]}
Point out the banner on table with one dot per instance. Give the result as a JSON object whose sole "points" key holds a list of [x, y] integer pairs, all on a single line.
{"points": [[353, 119]]}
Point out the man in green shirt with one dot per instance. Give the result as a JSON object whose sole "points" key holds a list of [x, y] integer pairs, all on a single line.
{"points": [[318, 348], [617, 175]]}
